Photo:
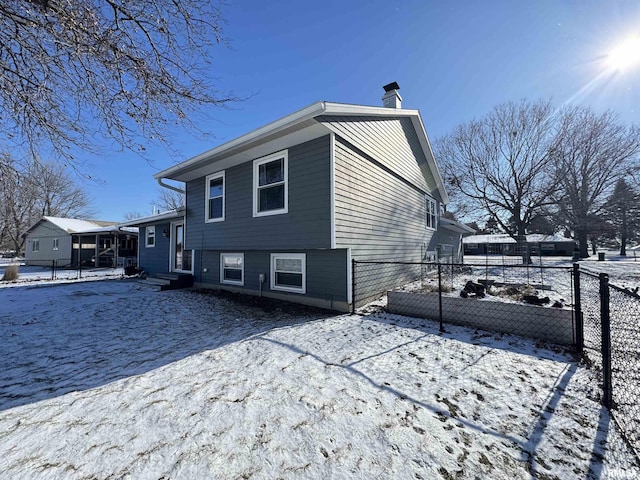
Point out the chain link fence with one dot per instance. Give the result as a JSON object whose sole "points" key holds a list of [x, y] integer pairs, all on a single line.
{"points": [[625, 361], [611, 317], [448, 292], [599, 319]]}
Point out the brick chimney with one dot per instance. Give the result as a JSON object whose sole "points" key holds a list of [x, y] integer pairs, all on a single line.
{"points": [[391, 97]]}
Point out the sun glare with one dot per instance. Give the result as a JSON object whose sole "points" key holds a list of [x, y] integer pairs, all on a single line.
{"points": [[625, 55]]}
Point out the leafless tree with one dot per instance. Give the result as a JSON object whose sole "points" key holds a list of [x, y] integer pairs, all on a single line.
{"points": [[33, 189], [71, 70], [503, 163], [594, 152], [170, 199], [132, 216]]}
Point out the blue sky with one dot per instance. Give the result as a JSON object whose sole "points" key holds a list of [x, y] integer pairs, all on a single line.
{"points": [[454, 61]]}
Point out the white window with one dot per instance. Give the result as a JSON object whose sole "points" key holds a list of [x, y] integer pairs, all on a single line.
{"points": [[432, 212], [35, 245], [270, 185], [232, 268], [56, 244], [150, 236], [215, 197], [288, 272]]}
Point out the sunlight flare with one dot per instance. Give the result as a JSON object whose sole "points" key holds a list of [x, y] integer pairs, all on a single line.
{"points": [[625, 55]]}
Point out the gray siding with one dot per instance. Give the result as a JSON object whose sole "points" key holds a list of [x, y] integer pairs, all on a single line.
{"points": [[378, 215], [306, 225], [391, 141], [45, 233], [326, 273]]}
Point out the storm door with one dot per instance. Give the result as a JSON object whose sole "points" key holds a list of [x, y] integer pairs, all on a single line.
{"points": [[181, 258]]}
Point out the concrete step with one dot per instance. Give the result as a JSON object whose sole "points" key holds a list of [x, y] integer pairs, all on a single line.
{"points": [[157, 281], [170, 281], [168, 276]]}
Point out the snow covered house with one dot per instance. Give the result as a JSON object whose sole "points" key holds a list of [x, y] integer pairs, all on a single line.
{"points": [[69, 242], [281, 211], [504, 244]]}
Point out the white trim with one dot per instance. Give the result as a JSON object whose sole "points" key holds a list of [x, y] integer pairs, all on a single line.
{"points": [[349, 278], [431, 161], [428, 200], [35, 243], [147, 231], [282, 124], [207, 218], [55, 244], [292, 256], [332, 187], [283, 154], [231, 282], [172, 246]]}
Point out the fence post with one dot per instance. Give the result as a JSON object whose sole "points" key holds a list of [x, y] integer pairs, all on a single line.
{"points": [[440, 295], [53, 269], [353, 285], [577, 310], [605, 321]]}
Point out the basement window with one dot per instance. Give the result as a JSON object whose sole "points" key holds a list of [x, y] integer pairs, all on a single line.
{"points": [[232, 268], [288, 272]]}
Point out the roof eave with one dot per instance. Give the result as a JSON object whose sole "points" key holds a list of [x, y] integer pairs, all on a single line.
{"points": [[280, 125], [253, 136]]}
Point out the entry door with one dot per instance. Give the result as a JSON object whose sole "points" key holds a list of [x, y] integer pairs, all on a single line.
{"points": [[181, 257]]}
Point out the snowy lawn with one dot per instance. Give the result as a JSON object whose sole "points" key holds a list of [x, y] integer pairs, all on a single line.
{"points": [[111, 379]]}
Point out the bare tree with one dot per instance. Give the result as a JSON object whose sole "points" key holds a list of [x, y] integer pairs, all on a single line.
{"points": [[593, 153], [132, 216], [502, 163], [55, 192], [29, 191], [74, 69], [623, 213], [170, 199], [16, 204]]}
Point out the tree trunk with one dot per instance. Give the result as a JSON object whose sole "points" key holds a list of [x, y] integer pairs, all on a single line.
{"points": [[623, 245], [583, 245]]}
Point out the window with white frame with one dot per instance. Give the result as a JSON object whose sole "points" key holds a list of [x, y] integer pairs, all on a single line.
{"points": [[55, 244], [232, 268], [270, 184], [150, 236], [288, 272], [215, 197], [35, 245], [432, 212]]}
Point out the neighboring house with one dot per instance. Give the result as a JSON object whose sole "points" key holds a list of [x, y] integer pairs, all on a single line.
{"points": [[69, 242], [282, 210], [161, 244], [503, 244]]}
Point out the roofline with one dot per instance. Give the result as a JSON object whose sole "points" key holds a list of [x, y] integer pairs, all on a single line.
{"points": [[169, 214], [307, 113], [458, 226]]}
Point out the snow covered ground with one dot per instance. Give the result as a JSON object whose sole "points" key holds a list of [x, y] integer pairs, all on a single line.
{"points": [[43, 275], [112, 379]]}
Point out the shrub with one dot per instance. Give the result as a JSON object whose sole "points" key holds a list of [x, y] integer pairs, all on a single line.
{"points": [[10, 273]]}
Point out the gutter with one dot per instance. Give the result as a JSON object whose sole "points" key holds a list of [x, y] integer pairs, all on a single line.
{"points": [[170, 187]]}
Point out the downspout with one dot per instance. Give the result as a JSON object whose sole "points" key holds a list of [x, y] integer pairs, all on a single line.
{"points": [[170, 187]]}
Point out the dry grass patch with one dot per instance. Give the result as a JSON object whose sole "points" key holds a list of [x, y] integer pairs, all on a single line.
{"points": [[10, 273]]}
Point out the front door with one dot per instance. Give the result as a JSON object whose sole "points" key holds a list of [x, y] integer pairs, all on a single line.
{"points": [[181, 261]]}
